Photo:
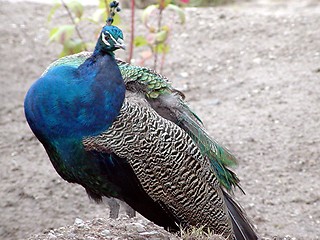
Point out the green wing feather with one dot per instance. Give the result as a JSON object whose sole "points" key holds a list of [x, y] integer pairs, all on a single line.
{"points": [[74, 60], [220, 157], [157, 87], [155, 83]]}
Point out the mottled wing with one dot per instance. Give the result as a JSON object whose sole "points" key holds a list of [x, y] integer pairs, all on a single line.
{"points": [[173, 108], [169, 103], [168, 164]]}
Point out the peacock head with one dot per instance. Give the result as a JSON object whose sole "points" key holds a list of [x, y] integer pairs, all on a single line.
{"points": [[111, 39]]}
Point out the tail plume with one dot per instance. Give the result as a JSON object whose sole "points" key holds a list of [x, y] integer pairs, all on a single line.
{"points": [[242, 228]]}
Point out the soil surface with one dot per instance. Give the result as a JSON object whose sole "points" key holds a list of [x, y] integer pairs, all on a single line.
{"points": [[251, 71]]}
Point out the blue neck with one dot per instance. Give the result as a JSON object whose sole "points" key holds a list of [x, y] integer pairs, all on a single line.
{"points": [[100, 49], [97, 53], [74, 103]]}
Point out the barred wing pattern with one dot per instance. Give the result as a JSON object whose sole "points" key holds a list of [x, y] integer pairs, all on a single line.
{"points": [[168, 164]]}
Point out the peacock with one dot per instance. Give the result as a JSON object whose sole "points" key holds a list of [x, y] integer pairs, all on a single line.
{"points": [[123, 131]]}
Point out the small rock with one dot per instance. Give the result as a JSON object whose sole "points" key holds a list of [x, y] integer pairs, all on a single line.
{"points": [[214, 101], [184, 35], [71, 235], [105, 232], [51, 236], [272, 57], [222, 16], [136, 227], [149, 233], [78, 222], [257, 60], [90, 238], [98, 221], [317, 70], [184, 74], [210, 68]]}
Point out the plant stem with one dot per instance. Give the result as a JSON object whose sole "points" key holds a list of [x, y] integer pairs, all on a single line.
{"points": [[73, 22], [164, 53], [162, 62], [161, 7], [107, 8], [132, 31]]}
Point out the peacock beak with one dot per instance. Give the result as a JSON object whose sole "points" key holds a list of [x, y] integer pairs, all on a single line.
{"points": [[120, 44]]}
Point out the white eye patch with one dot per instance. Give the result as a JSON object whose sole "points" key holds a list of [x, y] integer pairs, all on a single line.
{"points": [[104, 40]]}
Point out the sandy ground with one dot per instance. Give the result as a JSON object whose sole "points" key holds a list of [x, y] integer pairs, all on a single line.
{"points": [[250, 71]]}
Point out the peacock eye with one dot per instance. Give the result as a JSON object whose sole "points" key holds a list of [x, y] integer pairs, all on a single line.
{"points": [[106, 37]]}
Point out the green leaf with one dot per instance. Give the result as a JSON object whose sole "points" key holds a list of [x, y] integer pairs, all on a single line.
{"points": [[77, 20], [53, 10], [140, 41], [106, 9], [162, 48], [99, 16], [147, 12], [116, 20], [72, 47], [102, 4], [53, 33], [179, 11], [90, 45], [161, 36], [76, 7], [61, 34]]}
